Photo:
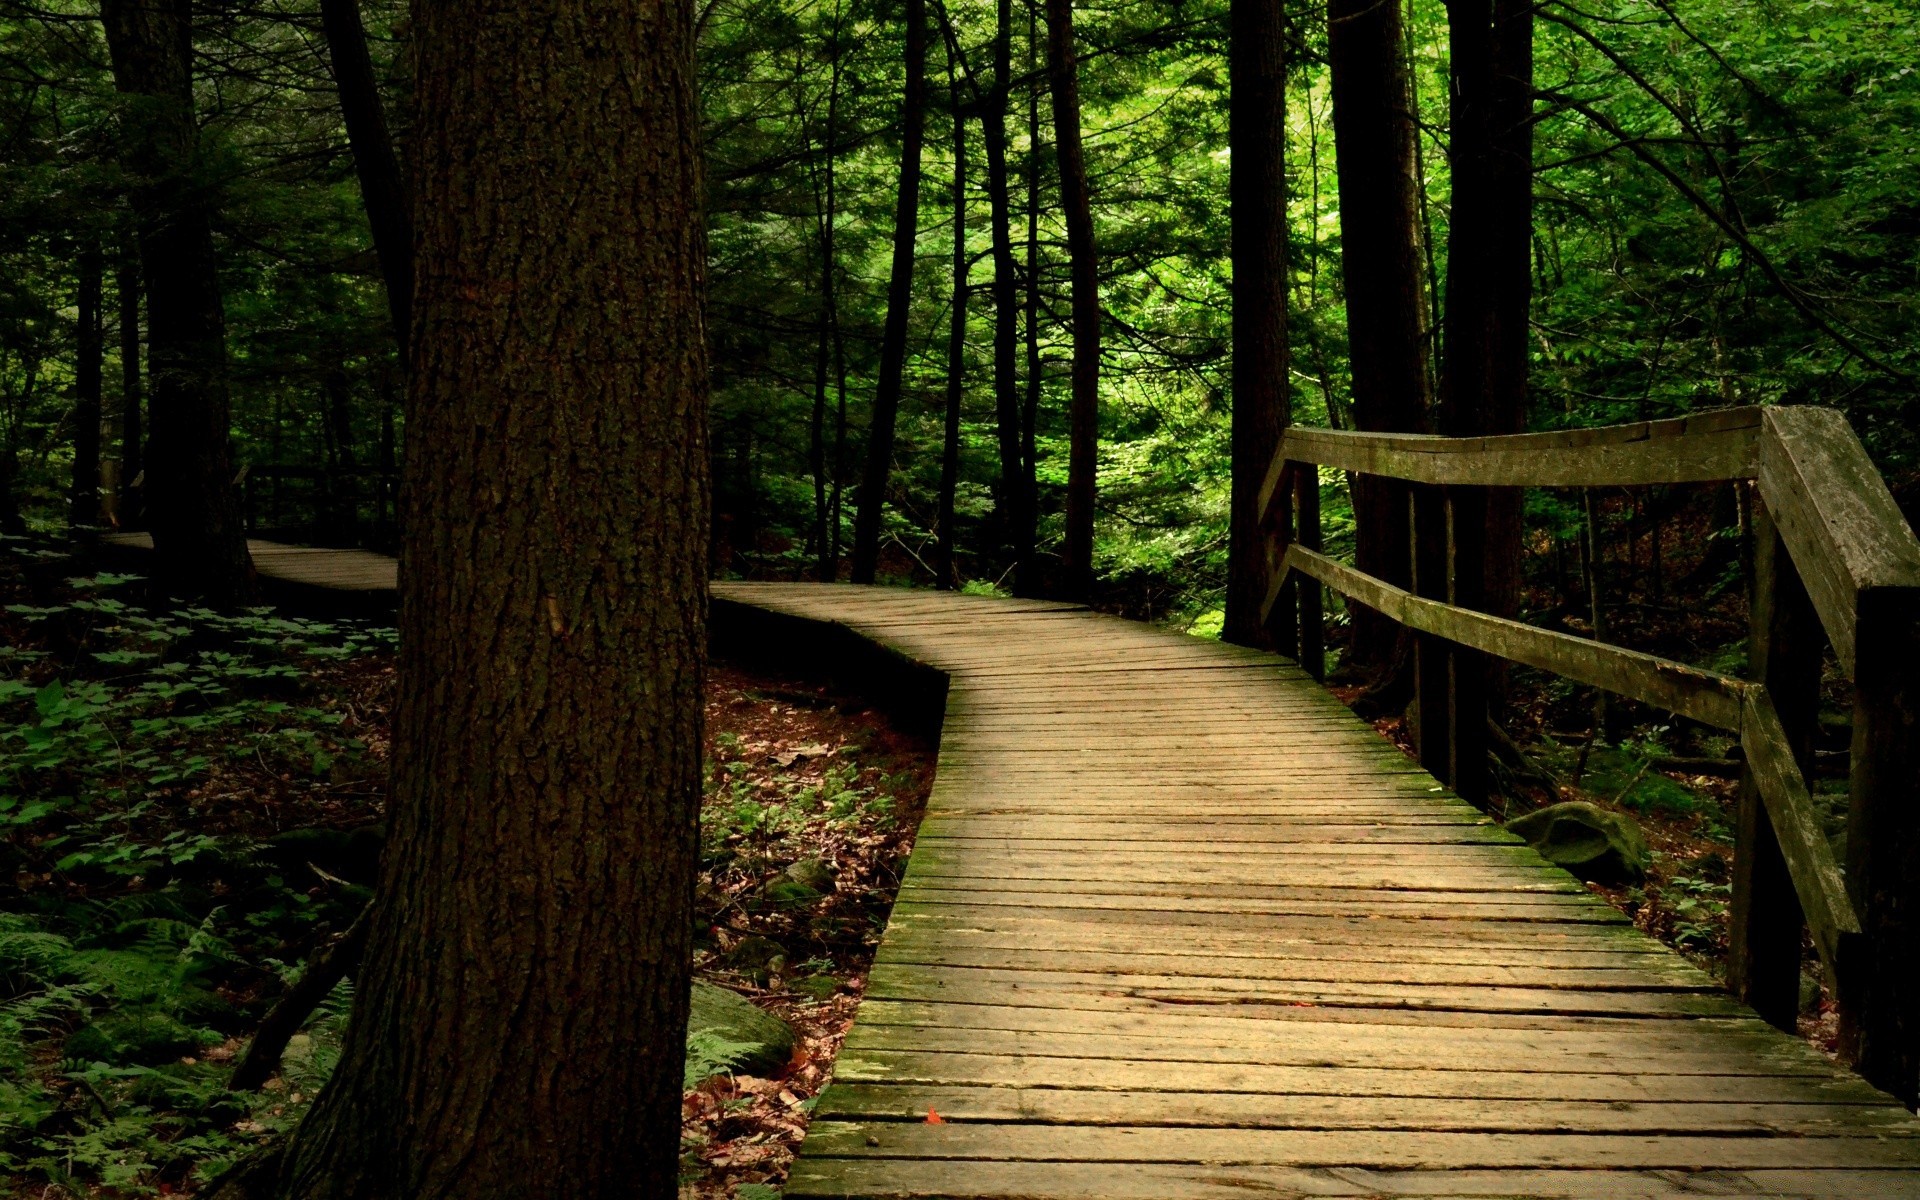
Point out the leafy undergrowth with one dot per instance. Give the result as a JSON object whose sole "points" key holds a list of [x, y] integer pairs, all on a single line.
{"points": [[191, 807], [811, 806]]}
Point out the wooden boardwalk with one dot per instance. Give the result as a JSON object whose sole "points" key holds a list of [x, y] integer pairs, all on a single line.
{"points": [[1178, 926], [313, 568]]}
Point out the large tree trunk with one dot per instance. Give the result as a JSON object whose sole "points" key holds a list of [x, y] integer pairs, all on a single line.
{"points": [[893, 339], [519, 1023], [382, 192], [126, 284], [1014, 520], [1373, 133], [192, 506], [89, 353], [1083, 439], [956, 347], [1257, 60]]}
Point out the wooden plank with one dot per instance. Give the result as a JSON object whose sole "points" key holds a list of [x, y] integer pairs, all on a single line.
{"points": [[1803, 842], [1330, 1148], [910, 1102], [846, 1179], [1840, 524], [1706, 696], [1704, 447]]}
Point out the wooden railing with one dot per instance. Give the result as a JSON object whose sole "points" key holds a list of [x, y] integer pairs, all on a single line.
{"points": [[1832, 553]]}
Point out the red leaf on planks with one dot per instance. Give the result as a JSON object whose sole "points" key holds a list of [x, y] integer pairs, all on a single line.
{"points": [[934, 1118]]}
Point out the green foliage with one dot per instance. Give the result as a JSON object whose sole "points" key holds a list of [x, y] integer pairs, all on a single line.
{"points": [[147, 939]]}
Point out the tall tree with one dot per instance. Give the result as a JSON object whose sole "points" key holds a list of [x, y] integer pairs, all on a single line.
{"points": [[192, 506], [944, 564], [520, 1019], [1257, 65], [382, 191], [1373, 132], [1083, 265], [1013, 517], [88, 367], [1483, 379], [826, 210], [126, 284], [1030, 317], [893, 339]]}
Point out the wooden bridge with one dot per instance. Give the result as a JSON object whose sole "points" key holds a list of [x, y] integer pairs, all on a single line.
{"points": [[1179, 926]]}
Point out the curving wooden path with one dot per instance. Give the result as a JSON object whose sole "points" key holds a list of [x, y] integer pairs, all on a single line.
{"points": [[1178, 926]]}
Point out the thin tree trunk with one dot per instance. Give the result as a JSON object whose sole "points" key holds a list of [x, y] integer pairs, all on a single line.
{"points": [[382, 191], [956, 344], [132, 439], [1027, 579], [1015, 524], [1257, 61], [194, 511], [89, 355], [1373, 133], [520, 1018], [826, 215], [1076, 204], [893, 340]]}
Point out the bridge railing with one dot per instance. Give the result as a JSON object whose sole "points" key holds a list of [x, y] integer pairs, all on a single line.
{"points": [[1832, 553]]}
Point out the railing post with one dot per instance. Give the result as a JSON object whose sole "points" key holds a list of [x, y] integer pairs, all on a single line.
{"points": [[1282, 632], [1765, 926], [1469, 672], [1432, 687], [1880, 998], [1313, 630]]}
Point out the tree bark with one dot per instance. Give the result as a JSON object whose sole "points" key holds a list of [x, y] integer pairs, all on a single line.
{"points": [[893, 339], [1373, 132], [1257, 62], [1483, 382], [826, 216], [956, 346], [1028, 577], [89, 355], [132, 439], [193, 509], [1083, 265], [1015, 523], [520, 1019], [382, 192]]}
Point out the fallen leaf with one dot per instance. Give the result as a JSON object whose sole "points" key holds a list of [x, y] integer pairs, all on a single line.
{"points": [[934, 1118]]}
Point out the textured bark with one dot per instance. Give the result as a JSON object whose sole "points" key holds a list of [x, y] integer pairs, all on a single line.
{"points": [[1483, 382], [1257, 61], [192, 507], [1373, 133], [1083, 265], [1029, 576], [826, 477], [1014, 520], [519, 1022], [893, 339], [89, 351], [956, 346], [382, 192], [132, 437]]}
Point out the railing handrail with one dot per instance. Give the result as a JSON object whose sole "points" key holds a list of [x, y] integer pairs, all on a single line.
{"points": [[1823, 503]]}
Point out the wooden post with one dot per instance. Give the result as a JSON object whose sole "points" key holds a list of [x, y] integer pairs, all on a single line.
{"points": [[1765, 927], [1431, 671], [1469, 674], [1880, 995], [1313, 650]]}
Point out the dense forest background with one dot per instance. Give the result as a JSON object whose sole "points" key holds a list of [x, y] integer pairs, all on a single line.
{"points": [[1724, 214]]}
